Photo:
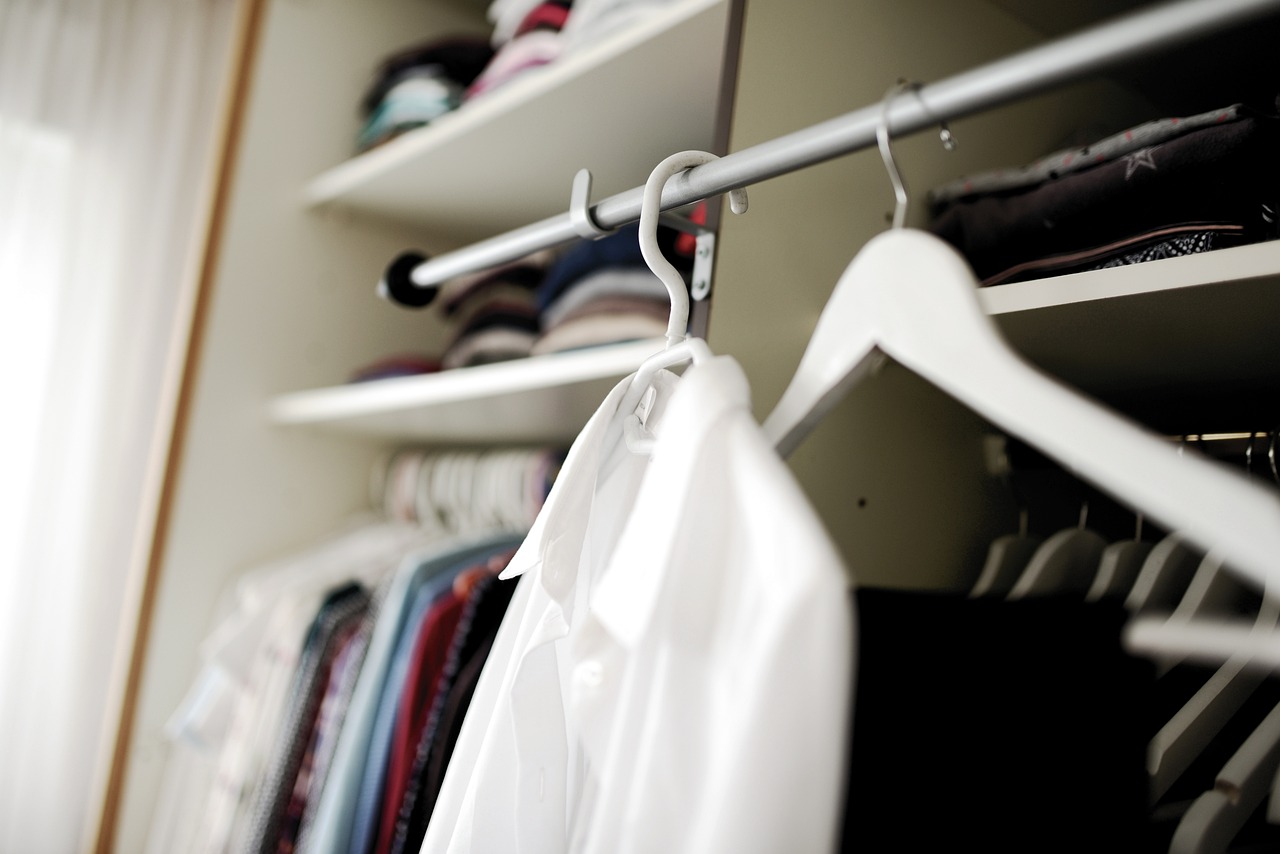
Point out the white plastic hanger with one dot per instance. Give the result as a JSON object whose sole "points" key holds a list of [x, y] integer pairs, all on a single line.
{"points": [[1212, 593], [910, 296], [1165, 576], [1216, 817], [1119, 567], [680, 347], [1225, 640], [1067, 562], [1007, 557]]}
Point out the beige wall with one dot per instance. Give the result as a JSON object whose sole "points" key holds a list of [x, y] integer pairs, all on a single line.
{"points": [[807, 62]]}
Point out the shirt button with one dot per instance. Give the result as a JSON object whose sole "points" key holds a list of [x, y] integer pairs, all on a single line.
{"points": [[590, 673]]}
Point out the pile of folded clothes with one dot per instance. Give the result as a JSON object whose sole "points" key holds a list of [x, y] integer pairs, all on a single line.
{"points": [[601, 291], [1171, 187], [494, 312], [526, 35], [426, 81], [591, 293], [420, 84], [529, 34]]}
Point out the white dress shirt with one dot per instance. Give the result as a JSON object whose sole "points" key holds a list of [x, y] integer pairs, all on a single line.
{"points": [[674, 671]]}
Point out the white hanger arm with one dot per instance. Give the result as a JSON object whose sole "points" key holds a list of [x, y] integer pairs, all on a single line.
{"points": [[1120, 566], [1006, 559], [1064, 563], [1218, 815], [912, 297]]}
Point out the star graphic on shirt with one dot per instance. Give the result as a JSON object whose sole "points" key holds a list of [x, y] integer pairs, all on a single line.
{"points": [[1132, 162]]}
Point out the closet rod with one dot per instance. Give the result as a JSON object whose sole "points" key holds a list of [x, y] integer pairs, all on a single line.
{"points": [[1030, 72]]}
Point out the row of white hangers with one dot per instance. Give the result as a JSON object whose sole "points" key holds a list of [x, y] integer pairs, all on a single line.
{"points": [[910, 297], [1172, 581]]}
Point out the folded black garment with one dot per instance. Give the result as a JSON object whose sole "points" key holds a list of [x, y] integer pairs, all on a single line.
{"points": [[1079, 158], [1221, 179], [459, 59], [994, 726]]}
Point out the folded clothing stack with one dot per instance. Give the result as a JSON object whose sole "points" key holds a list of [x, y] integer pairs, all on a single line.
{"points": [[529, 34], [526, 35], [1171, 187], [418, 85], [602, 292], [495, 312]]}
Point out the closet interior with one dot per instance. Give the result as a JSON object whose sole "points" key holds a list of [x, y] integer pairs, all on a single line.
{"points": [[920, 492]]}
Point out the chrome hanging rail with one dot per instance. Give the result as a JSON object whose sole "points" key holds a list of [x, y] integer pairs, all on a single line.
{"points": [[1055, 63]]}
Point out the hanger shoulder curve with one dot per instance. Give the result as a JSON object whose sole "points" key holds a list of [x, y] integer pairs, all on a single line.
{"points": [[912, 297], [1066, 562], [1118, 568], [1006, 558], [1216, 817]]}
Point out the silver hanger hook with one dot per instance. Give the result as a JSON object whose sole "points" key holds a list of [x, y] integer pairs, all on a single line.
{"points": [[1271, 456], [886, 152]]}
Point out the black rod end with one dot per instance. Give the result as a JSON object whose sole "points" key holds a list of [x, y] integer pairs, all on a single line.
{"points": [[397, 282]]}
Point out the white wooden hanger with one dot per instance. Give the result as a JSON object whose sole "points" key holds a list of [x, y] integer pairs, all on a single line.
{"points": [[1119, 567], [1008, 554], [680, 346], [1212, 593], [910, 296], [1216, 817], [1007, 557], [1164, 578], [1254, 645], [1067, 562]]}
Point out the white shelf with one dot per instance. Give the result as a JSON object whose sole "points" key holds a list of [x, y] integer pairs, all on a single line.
{"points": [[1202, 327], [539, 399], [616, 107]]}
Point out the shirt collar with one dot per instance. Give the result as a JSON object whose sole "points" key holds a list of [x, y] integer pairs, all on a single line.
{"points": [[561, 524], [624, 599]]}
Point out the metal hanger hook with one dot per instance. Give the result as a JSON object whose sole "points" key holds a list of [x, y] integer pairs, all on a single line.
{"points": [[1271, 456], [886, 152]]}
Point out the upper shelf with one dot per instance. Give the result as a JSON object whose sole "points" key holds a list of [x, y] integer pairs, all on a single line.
{"points": [[508, 158], [534, 400], [1198, 332]]}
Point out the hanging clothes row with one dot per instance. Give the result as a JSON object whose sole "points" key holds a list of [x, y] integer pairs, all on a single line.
{"points": [[334, 684]]}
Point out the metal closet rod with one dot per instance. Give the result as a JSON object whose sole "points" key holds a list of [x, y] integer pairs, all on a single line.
{"points": [[1056, 63]]}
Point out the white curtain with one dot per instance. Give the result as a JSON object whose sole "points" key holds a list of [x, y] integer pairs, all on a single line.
{"points": [[107, 115]]}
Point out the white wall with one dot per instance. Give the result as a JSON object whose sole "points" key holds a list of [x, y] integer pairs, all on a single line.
{"points": [[806, 62]]}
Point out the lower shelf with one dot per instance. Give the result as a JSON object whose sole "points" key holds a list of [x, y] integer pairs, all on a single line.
{"points": [[1167, 341], [542, 399]]}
